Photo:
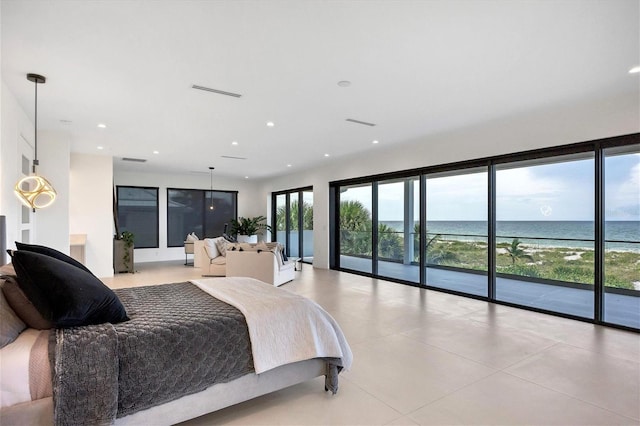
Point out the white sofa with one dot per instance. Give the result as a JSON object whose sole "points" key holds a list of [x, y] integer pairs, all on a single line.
{"points": [[263, 265], [207, 257]]}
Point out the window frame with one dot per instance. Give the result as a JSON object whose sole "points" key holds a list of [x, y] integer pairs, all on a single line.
{"points": [[274, 209], [595, 147], [157, 216], [204, 206]]}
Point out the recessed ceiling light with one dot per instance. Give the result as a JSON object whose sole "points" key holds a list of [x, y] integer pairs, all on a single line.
{"points": [[326, 155], [270, 124], [344, 83], [288, 165], [634, 70], [102, 126], [375, 142], [156, 152], [234, 143], [101, 147], [246, 177]]}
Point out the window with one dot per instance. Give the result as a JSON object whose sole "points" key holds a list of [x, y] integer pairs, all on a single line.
{"points": [[555, 229], [456, 246], [137, 209], [545, 234], [622, 235], [399, 228], [293, 222], [201, 211], [356, 225]]}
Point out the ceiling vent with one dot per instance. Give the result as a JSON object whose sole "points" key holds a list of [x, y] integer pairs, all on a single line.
{"points": [[219, 92], [233, 158], [351, 120], [134, 160]]}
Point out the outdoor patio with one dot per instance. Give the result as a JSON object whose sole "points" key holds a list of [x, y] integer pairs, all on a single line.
{"points": [[619, 309]]}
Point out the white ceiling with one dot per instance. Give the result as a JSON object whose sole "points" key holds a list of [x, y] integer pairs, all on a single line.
{"points": [[417, 68]]}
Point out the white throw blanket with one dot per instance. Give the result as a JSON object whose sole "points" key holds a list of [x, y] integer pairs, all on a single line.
{"points": [[284, 327]]}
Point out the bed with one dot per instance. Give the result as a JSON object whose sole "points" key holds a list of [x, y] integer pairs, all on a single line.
{"points": [[186, 349]]}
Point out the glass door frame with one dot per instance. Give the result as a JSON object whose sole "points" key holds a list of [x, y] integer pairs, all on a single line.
{"points": [[596, 147], [274, 212]]}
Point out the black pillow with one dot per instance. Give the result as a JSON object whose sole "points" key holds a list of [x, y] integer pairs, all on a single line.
{"points": [[64, 294], [51, 253]]}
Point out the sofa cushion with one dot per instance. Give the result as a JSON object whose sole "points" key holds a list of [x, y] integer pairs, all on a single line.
{"points": [[220, 260], [212, 252], [278, 256], [288, 265], [221, 245]]}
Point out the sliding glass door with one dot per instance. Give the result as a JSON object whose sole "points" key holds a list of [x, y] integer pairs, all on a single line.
{"points": [[456, 240], [292, 222], [622, 236], [307, 226], [555, 230], [545, 234], [399, 229], [355, 208]]}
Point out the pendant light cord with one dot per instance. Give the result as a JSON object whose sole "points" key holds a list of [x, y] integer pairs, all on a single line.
{"points": [[35, 136]]}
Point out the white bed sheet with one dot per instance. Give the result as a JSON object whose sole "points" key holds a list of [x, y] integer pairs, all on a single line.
{"points": [[14, 369]]}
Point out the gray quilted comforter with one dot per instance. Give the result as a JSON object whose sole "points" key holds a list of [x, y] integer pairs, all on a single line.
{"points": [[179, 341]]}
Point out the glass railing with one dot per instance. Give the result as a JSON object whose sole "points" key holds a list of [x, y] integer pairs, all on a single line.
{"points": [[556, 260]]}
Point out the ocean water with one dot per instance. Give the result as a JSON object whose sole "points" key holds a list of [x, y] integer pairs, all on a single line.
{"points": [[626, 234]]}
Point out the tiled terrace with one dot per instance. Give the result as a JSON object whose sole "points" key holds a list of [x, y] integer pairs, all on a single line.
{"points": [[619, 309]]}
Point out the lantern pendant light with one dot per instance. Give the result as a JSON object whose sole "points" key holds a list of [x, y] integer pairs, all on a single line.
{"points": [[35, 191], [211, 207]]}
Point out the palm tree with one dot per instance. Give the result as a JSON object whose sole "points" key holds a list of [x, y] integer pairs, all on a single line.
{"points": [[355, 228], [307, 216], [389, 242], [515, 252]]}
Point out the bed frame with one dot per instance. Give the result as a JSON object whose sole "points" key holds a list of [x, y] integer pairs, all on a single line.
{"points": [[216, 397]]}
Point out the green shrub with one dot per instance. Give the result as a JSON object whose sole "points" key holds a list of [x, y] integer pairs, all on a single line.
{"points": [[523, 270]]}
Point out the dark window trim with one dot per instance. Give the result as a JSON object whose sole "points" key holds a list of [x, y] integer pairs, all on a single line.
{"points": [[157, 189], [203, 206], [595, 146], [539, 153], [274, 211]]}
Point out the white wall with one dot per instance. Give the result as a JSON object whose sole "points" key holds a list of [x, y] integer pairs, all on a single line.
{"points": [[91, 209], [14, 122], [248, 205], [50, 225], [558, 125]]}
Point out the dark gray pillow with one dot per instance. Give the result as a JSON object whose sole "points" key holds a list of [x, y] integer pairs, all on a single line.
{"points": [[51, 253], [21, 305], [66, 295]]}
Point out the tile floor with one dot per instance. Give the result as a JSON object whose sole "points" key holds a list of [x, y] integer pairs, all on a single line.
{"points": [[428, 358]]}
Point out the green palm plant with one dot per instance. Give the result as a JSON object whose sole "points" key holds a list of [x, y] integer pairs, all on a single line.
{"points": [[307, 216], [389, 242], [355, 228], [515, 252], [249, 225]]}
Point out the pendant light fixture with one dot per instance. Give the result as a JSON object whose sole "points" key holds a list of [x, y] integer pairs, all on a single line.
{"points": [[211, 207], [35, 191]]}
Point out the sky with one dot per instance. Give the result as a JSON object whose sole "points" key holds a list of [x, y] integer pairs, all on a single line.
{"points": [[556, 191]]}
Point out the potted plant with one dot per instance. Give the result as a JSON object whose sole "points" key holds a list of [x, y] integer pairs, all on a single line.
{"points": [[248, 228], [123, 252]]}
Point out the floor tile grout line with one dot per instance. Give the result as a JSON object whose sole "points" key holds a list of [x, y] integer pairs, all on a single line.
{"points": [[575, 398]]}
